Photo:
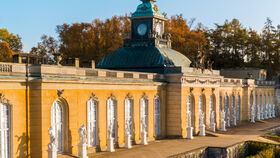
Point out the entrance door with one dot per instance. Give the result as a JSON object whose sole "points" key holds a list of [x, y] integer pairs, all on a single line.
{"points": [[4, 131], [57, 124]]}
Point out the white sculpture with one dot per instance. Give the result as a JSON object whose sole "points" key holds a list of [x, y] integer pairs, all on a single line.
{"points": [[213, 124], [128, 134], [252, 114], [144, 133], [269, 111], [234, 119], [201, 124], [259, 113], [52, 149], [228, 118], [273, 111], [265, 111], [189, 126], [110, 139], [83, 142], [223, 122], [262, 114]]}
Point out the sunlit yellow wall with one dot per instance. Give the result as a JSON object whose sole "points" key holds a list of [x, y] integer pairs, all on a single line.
{"points": [[15, 93], [77, 97]]}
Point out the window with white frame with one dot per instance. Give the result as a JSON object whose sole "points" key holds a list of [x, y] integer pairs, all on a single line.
{"points": [[92, 122], [144, 113], [232, 108], [226, 107], [57, 124], [112, 117], [5, 131], [238, 107], [129, 115], [157, 117]]}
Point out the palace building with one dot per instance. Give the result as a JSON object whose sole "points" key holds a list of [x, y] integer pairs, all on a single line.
{"points": [[144, 86]]}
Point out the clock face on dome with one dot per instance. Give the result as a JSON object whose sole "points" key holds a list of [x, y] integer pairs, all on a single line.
{"points": [[142, 29]]}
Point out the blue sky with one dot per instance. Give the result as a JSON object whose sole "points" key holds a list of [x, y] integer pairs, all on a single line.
{"points": [[33, 18]]}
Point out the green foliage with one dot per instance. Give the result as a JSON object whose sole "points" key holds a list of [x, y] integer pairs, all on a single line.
{"points": [[273, 137], [47, 48], [232, 45], [262, 150], [14, 41]]}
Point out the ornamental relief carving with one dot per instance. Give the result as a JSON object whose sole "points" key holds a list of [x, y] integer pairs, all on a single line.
{"points": [[200, 81], [3, 100]]}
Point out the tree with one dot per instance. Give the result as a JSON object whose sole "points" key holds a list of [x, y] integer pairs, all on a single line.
{"points": [[5, 52], [92, 41], [185, 40], [14, 41], [47, 48], [228, 44]]}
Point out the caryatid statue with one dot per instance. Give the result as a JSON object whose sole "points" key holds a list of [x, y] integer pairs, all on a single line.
{"points": [[201, 124], [52, 144], [189, 119], [128, 134], [253, 114], [83, 142], [223, 121], [52, 149], [212, 121], [201, 118], [82, 134]]}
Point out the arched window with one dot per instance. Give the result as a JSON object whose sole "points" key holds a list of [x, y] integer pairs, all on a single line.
{"points": [[112, 117], [5, 131], [157, 117], [238, 107], [129, 115], [57, 122], [144, 113], [92, 116]]}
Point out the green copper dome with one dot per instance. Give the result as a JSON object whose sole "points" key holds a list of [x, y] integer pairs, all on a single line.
{"points": [[143, 58], [147, 8]]}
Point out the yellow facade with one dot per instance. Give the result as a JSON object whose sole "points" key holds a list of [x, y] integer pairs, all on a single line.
{"points": [[31, 99]]}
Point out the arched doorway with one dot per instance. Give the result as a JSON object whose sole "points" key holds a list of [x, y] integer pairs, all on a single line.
{"points": [[59, 123], [5, 131]]}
